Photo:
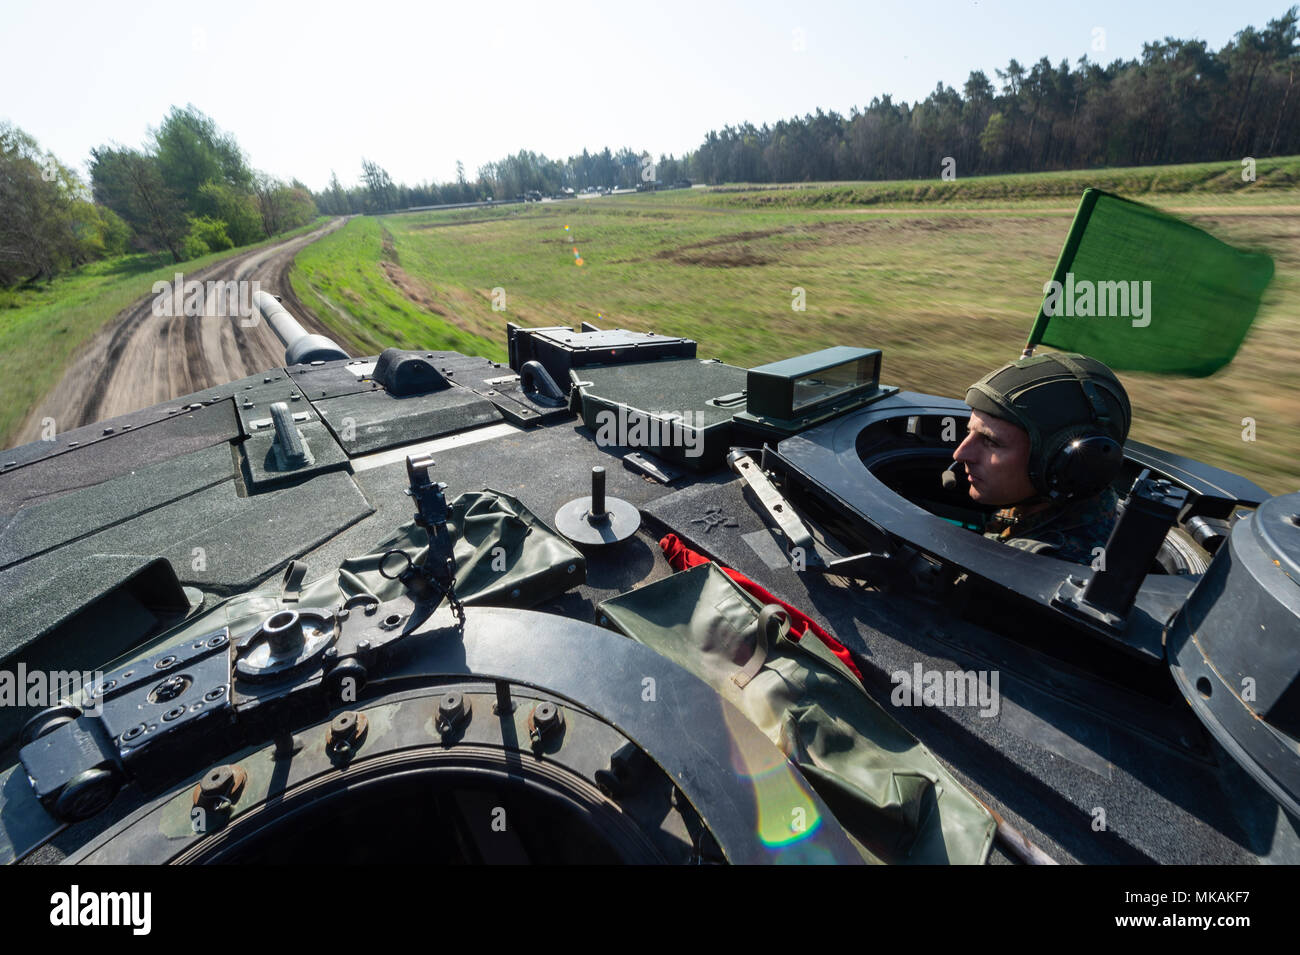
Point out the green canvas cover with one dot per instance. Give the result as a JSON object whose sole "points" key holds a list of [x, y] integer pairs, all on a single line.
{"points": [[534, 564], [886, 789], [505, 555], [1185, 300]]}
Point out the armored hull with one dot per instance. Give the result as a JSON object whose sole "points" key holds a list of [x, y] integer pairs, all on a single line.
{"points": [[164, 550]]}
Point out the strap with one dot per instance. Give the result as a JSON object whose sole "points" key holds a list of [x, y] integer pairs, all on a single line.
{"points": [[772, 624], [1099, 413], [292, 583]]}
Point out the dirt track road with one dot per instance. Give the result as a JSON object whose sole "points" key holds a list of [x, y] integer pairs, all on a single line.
{"points": [[141, 358]]}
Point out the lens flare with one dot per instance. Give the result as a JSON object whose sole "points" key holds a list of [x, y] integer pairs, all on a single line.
{"points": [[786, 812]]}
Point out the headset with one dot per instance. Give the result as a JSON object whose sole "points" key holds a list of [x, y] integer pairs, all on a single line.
{"points": [[1080, 460]]}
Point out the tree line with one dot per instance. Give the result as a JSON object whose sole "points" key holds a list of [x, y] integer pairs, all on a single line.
{"points": [[187, 191], [507, 178], [1179, 102]]}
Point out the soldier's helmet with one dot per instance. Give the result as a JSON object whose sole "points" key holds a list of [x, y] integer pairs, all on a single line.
{"points": [[1077, 415]]}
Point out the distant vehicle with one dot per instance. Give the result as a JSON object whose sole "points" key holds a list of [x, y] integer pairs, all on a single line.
{"points": [[532, 195], [682, 184]]}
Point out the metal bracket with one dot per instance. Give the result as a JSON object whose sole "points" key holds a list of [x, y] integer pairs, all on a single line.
{"points": [[872, 567], [436, 577]]}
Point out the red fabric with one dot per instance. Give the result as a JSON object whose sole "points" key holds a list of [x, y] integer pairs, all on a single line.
{"points": [[681, 557]]}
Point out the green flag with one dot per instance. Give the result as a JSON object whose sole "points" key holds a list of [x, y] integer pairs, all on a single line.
{"points": [[1141, 290]]}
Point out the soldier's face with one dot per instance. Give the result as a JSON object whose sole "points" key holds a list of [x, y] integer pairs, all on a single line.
{"points": [[996, 455]]}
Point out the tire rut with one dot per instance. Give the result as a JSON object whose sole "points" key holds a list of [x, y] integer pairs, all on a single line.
{"points": [[141, 359]]}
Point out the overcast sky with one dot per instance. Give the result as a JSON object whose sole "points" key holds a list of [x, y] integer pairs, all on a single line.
{"points": [[312, 87]]}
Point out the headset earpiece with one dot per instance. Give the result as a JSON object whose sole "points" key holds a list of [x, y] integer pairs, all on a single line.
{"points": [[1083, 461]]}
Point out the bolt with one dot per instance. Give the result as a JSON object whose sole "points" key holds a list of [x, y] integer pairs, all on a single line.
{"points": [[451, 706], [346, 732], [344, 725], [219, 789], [135, 732], [169, 688], [544, 721], [217, 782], [453, 710]]}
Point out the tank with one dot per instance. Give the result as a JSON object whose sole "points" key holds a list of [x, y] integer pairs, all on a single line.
{"points": [[357, 608]]}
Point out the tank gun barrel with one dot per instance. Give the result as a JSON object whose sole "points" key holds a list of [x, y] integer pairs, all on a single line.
{"points": [[299, 344]]}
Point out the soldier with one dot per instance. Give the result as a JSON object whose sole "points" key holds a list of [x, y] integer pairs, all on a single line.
{"points": [[1045, 440]]}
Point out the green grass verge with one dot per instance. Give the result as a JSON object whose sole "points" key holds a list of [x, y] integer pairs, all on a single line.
{"points": [[1274, 178], [41, 329], [373, 296]]}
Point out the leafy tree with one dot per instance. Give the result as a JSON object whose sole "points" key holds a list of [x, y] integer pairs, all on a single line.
{"points": [[234, 207], [46, 221], [205, 235], [192, 152], [282, 206], [131, 184]]}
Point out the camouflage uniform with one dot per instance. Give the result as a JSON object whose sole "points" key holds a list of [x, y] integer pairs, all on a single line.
{"points": [[1068, 532]]}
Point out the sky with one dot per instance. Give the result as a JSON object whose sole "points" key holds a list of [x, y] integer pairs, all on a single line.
{"points": [[310, 88]]}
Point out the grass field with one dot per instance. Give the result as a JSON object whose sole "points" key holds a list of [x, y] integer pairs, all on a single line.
{"points": [[42, 328], [948, 293]]}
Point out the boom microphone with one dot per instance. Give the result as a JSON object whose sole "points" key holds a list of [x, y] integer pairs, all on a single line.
{"points": [[949, 477]]}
